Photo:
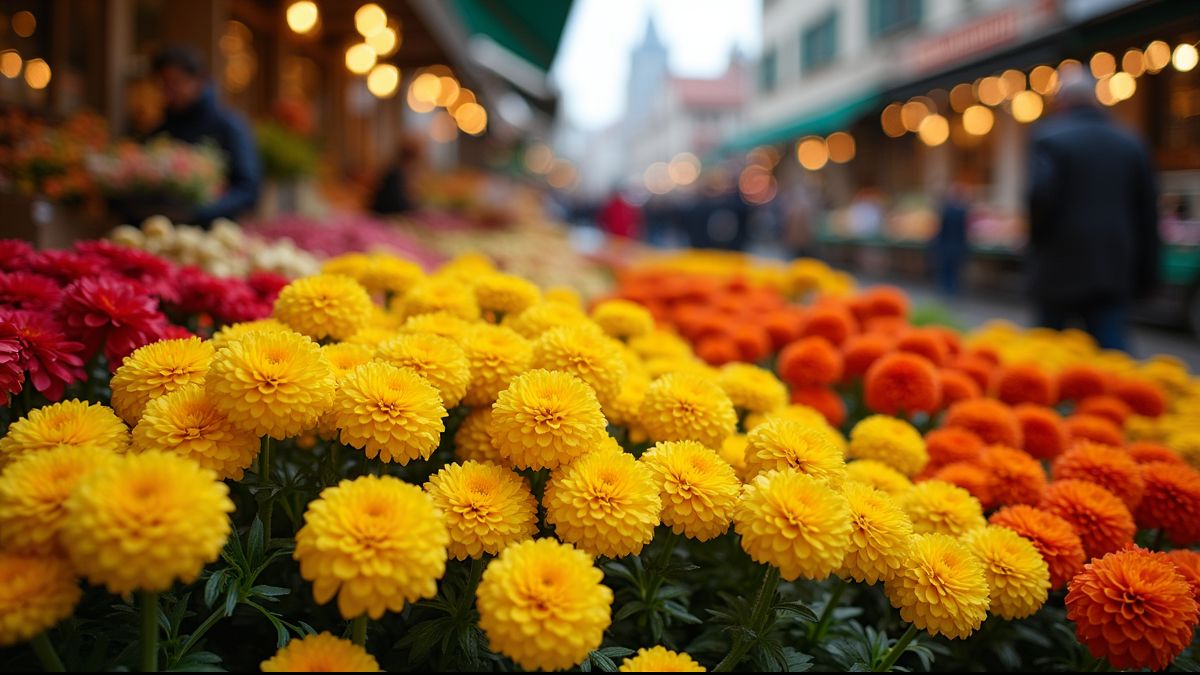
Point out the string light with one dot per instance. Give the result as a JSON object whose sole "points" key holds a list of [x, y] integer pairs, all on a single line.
{"points": [[890, 120], [37, 73], [812, 153], [934, 130], [383, 80], [1134, 62], [1043, 80], [1102, 64], [1122, 85], [370, 19], [360, 58], [302, 16], [10, 63], [1184, 57], [912, 113], [978, 120], [684, 168], [1158, 56], [1027, 106], [841, 147]]}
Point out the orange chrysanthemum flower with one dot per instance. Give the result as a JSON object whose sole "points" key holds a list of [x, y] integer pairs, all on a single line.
{"points": [[952, 444], [810, 362], [1108, 407], [879, 301], [1099, 517], [1109, 467], [1081, 381], [860, 351], [902, 383], [924, 342], [1053, 537], [1171, 501], [957, 386], [988, 353], [891, 326], [752, 341], [1025, 383], [830, 321], [717, 350], [1095, 429], [1133, 608], [979, 370], [1042, 429], [1148, 452], [969, 476], [824, 400], [992, 421], [1145, 398], [1187, 563], [1017, 478]]}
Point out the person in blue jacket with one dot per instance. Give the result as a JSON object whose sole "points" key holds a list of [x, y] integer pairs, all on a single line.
{"points": [[193, 115]]}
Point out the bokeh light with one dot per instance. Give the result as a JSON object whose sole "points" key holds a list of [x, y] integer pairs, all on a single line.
{"points": [[934, 130], [24, 23], [1158, 56], [1122, 85], [978, 120], [657, 178], [539, 158], [841, 147], [10, 63], [1184, 57], [447, 91], [383, 80], [1043, 80], [892, 121], [383, 41], [1134, 62], [812, 153], [1014, 82], [1027, 106], [302, 16], [37, 73], [426, 88], [471, 118], [360, 58], [1104, 92], [912, 113], [370, 19], [962, 96], [990, 91], [684, 168], [1102, 64], [443, 128]]}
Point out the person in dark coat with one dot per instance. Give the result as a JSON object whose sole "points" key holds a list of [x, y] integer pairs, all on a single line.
{"points": [[394, 193], [193, 115], [1093, 217], [949, 245]]}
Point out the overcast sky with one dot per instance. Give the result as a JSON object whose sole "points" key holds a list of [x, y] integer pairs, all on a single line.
{"points": [[593, 60]]}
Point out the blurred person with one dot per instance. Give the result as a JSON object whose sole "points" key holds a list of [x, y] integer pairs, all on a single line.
{"points": [[948, 248], [1093, 216], [394, 194], [619, 218], [193, 115]]}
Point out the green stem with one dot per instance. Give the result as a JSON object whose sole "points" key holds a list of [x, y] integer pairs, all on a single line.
{"points": [[822, 624], [477, 567], [267, 506], [149, 632], [668, 550], [763, 603], [358, 630], [46, 654], [897, 649], [1157, 544], [196, 635]]}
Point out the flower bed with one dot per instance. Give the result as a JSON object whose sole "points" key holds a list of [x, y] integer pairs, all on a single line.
{"points": [[455, 469]]}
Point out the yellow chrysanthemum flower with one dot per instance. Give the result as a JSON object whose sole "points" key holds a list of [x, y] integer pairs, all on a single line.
{"points": [[891, 441], [941, 588], [33, 493], [660, 343], [320, 653], [467, 266], [586, 353], [809, 449], [505, 293], [624, 408], [699, 489], [687, 407], [563, 294], [623, 319], [274, 384], [496, 355], [733, 450], [486, 507], [546, 418], [1018, 578], [344, 357], [660, 660], [661, 366], [438, 294], [437, 323], [188, 423], [606, 503], [36, 592], [237, 331], [390, 412], [880, 534], [156, 369], [377, 272], [376, 542], [145, 521], [542, 318], [794, 522], [879, 476], [67, 423], [543, 605], [324, 305], [794, 411], [371, 336], [751, 388], [439, 360], [937, 506], [473, 440]]}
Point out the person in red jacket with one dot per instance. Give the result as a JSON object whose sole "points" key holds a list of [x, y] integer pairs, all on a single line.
{"points": [[619, 218]]}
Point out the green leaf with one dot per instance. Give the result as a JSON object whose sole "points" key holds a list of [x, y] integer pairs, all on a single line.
{"points": [[620, 571], [615, 652], [603, 662], [678, 611], [231, 600], [270, 591], [255, 548], [630, 608], [796, 661], [656, 627], [213, 587], [797, 610]]}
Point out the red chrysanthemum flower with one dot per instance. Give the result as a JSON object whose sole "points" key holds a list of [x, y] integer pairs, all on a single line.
{"points": [[1171, 502], [969, 476], [103, 312], [1147, 452], [266, 285], [226, 300], [1187, 563], [26, 290], [957, 386], [1025, 383], [1080, 382], [175, 332], [860, 351], [825, 401], [752, 341], [1145, 398], [15, 255], [784, 326], [950, 338], [1109, 407], [880, 301], [51, 360], [1099, 517], [1042, 430], [149, 272], [1053, 537], [952, 444], [1109, 467], [890, 326], [902, 383], [1095, 429], [12, 376], [830, 321], [1017, 478], [992, 421], [924, 342], [979, 370], [66, 266], [1133, 608], [810, 362]]}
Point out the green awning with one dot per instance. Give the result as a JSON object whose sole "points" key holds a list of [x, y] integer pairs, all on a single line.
{"points": [[530, 29], [827, 120]]}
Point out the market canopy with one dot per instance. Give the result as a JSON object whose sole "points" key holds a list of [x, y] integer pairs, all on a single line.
{"points": [[530, 29], [820, 122]]}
